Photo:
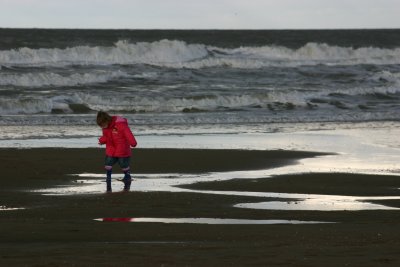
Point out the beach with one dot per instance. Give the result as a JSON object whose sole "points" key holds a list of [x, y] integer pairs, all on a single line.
{"points": [[60, 230], [255, 147]]}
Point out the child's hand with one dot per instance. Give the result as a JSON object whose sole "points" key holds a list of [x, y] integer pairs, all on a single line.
{"points": [[102, 140]]}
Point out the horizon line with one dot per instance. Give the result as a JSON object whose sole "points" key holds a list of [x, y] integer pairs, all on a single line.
{"points": [[198, 29]]}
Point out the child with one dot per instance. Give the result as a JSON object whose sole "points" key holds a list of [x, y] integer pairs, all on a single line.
{"points": [[118, 139]]}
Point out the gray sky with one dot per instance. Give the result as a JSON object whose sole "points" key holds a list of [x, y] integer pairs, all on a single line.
{"points": [[200, 14]]}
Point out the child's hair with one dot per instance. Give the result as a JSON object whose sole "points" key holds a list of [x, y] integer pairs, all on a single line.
{"points": [[103, 118]]}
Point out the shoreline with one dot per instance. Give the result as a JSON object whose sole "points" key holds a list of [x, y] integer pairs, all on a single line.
{"points": [[358, 149]]}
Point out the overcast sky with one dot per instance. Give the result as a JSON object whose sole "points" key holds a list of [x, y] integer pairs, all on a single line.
{"points": [[200, 14]]}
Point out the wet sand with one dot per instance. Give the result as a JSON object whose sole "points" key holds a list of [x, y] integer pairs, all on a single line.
{"points": [[61, 230]]}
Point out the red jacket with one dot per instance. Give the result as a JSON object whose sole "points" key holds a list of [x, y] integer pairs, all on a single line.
{"points": [[118, 138]]}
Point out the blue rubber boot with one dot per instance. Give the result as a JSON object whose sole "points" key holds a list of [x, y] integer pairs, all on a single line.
{"points": [[127, 180], [108, 180]]}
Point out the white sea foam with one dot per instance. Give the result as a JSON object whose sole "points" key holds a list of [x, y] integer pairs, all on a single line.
{"points": [[179, 54], [45, 104], [387, 76], [42, 79], [127, 102]]}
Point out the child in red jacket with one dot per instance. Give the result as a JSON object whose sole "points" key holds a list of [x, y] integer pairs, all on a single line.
{"points": [[118, 139]]}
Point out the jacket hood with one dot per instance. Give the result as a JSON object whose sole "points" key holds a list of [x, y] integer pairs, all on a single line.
{"points": [[117, 119]]}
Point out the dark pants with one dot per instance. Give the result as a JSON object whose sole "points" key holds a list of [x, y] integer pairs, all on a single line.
{"points": [[122, 162]]}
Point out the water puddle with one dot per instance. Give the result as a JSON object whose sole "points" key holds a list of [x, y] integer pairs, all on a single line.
{"points": [[205, 221], [309, 201], [317, 205], [153, 242], [5, 208], [94, 184]]}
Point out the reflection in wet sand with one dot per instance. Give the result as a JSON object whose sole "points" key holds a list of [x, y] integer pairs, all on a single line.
{"points": [[5, 208], [316, 204], [205, 221]]}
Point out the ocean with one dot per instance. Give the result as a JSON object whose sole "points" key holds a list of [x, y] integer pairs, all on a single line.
{"points": [[196, 81]]}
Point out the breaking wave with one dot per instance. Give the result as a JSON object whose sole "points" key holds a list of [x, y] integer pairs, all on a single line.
{"points": [[43, 79], [179, 54], [83, 102]]}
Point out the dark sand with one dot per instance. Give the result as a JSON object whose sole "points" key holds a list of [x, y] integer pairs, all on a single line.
{"points": [[60, 230]]}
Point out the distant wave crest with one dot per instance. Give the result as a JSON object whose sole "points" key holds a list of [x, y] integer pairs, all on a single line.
{"points": [[179, 54], [161, 52]]}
